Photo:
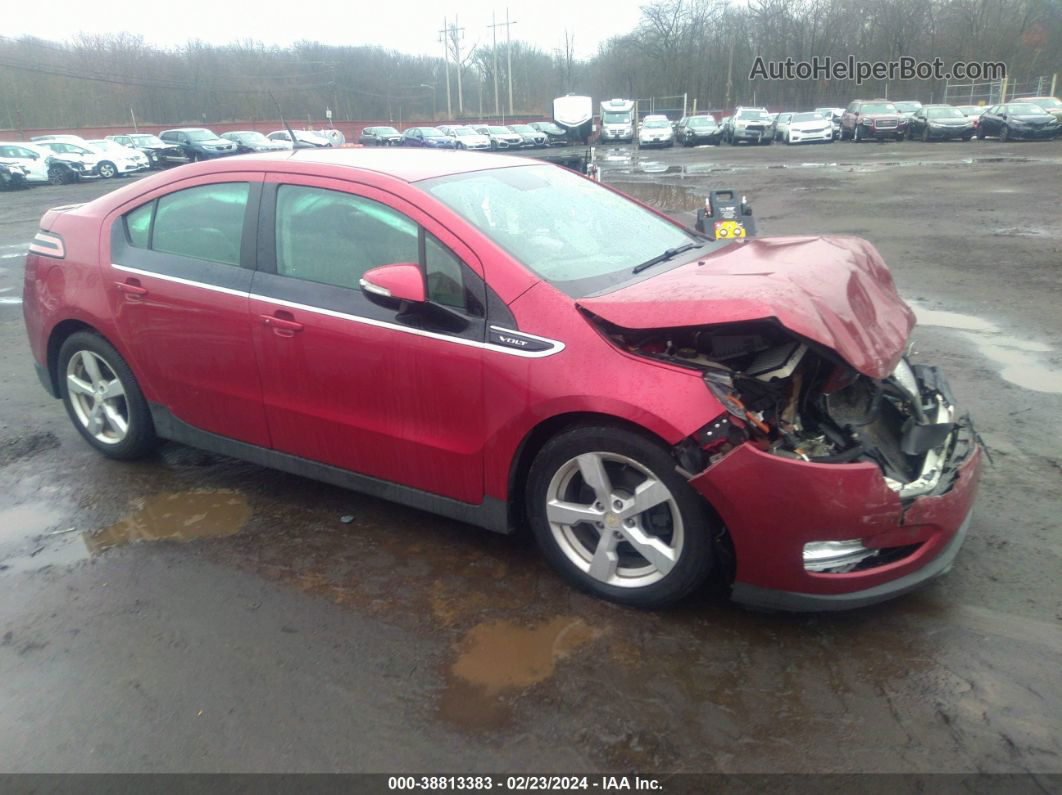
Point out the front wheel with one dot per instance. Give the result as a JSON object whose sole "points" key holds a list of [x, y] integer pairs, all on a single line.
{"points": [[103, 399], [857, 134], [1004, 134], [107, 170], [615, 518]]}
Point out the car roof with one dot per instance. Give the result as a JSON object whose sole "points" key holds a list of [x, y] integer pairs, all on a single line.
{"points": [[408, 165]]}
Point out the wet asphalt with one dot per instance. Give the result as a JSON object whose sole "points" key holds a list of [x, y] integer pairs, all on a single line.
{"points": [[193, 613]]}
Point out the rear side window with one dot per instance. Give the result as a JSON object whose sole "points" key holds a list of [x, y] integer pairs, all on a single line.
{"points": [[205, 222], [333, 238], [138, 225]]}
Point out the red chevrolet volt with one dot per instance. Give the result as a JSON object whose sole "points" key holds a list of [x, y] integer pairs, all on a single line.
{"points": [[508, 343]]}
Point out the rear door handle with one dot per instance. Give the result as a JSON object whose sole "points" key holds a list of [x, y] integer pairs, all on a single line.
{"points": [[282, 323], [131, 288]]}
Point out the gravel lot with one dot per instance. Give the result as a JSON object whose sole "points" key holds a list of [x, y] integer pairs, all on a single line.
{"points": [[282, 638]]}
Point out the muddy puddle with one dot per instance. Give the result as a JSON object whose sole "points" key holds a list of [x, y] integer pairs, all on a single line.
{"points": [[1019, 361], [183, 516], [669, 198], [499, 659]]}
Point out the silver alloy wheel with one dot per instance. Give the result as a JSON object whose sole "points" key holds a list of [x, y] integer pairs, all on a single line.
{"points": [[614, 519], [107, 170], [98, 397]]}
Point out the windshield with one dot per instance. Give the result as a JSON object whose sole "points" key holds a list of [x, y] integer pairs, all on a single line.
{"points": [[805, 117], [908, 107], [146, 140], [702, 121], [655, 124], [753, 115], [551, 128], [878, 107], [386, 131], [616, 117], [464, 132], [107, 145], [200, 135], [431, 132], [523, 128], [500, 130], [970, 110], [1023, 108], [945, 113], [250, 137], [569, 230], [1049, 102]]}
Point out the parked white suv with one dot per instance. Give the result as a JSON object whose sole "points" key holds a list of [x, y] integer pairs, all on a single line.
{"points": [[41, 164], [122, 152]]}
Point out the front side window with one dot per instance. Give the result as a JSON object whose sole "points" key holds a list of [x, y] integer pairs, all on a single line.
{"points": [[332, 237], [571, 231], [205, 222]]}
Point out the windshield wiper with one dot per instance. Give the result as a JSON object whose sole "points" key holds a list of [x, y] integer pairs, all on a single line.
{"points": [[669, 254]]}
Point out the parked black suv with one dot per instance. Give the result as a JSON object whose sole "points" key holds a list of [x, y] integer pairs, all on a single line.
{"points": [[199, 143], [380, 136]]}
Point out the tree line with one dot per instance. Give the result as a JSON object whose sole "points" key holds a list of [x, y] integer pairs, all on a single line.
{"points": [[704, 49]]}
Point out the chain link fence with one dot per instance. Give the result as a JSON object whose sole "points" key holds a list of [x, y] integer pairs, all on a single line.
{"points": [[996, 91]]}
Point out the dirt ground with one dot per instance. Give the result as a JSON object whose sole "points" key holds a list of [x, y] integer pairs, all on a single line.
{"points": [[193, 613]]}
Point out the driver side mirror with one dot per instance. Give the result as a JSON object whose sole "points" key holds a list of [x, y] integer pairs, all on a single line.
{"points": [[400, 282]]}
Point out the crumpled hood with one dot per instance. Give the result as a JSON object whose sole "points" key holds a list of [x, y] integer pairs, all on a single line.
{"points": [[836, 291]]}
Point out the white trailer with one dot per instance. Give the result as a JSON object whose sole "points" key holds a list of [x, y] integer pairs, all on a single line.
{"points": [[575, 115]]}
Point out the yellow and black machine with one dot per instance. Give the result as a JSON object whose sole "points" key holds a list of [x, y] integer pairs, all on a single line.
{"points": [[726, 217]]}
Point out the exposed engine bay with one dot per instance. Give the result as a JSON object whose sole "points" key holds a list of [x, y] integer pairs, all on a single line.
{"points": [[794, 399]]}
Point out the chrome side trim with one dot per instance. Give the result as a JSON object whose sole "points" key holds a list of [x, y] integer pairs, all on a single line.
{"points": [[178, 280], [556, 345]]}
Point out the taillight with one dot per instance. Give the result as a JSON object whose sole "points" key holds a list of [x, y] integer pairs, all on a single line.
{"points": [[48, 244]]}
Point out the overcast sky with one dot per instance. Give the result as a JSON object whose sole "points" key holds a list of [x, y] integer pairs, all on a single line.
{"points": [[406, 25]]}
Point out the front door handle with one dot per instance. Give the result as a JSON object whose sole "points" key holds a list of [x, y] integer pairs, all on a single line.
{"points": [[131, 289], [282, 322]]}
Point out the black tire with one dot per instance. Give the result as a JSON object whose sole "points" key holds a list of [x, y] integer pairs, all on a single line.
{"points": [[857, 134], [695, 559], [140, 438], [925, 134], [107, 170], [980, 133], [1004, 134], [57, 176], [967, 136]]}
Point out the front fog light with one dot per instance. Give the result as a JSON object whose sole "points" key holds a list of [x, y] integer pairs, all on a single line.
{"points": [[835, 556]]}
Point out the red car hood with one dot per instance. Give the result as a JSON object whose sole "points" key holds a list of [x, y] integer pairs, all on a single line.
{"points": [[835, 291]]}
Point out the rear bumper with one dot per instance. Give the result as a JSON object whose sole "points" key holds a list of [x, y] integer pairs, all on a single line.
{"points": [[773, 506]]}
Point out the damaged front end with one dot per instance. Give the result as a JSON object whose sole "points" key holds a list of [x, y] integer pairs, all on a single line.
{"points": [[791, 399], [862, 454]]}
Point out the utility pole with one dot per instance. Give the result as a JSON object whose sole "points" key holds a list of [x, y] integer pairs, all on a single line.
{"points": [[458, 34], [494, 57], [444, 38], [509, 56]]}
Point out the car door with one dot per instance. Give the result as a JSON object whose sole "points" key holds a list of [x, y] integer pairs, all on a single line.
{"points": [[178, 275], [355, 381]]}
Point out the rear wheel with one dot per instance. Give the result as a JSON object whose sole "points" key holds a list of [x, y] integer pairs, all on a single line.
{"points": [[103, 399], [613, 516]]}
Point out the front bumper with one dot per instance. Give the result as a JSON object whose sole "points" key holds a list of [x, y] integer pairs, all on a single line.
{"points": [[873, 131], [773, 506], [746, 134], [1034, 133], [657, 142], [945, 133], [798, 137]]}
